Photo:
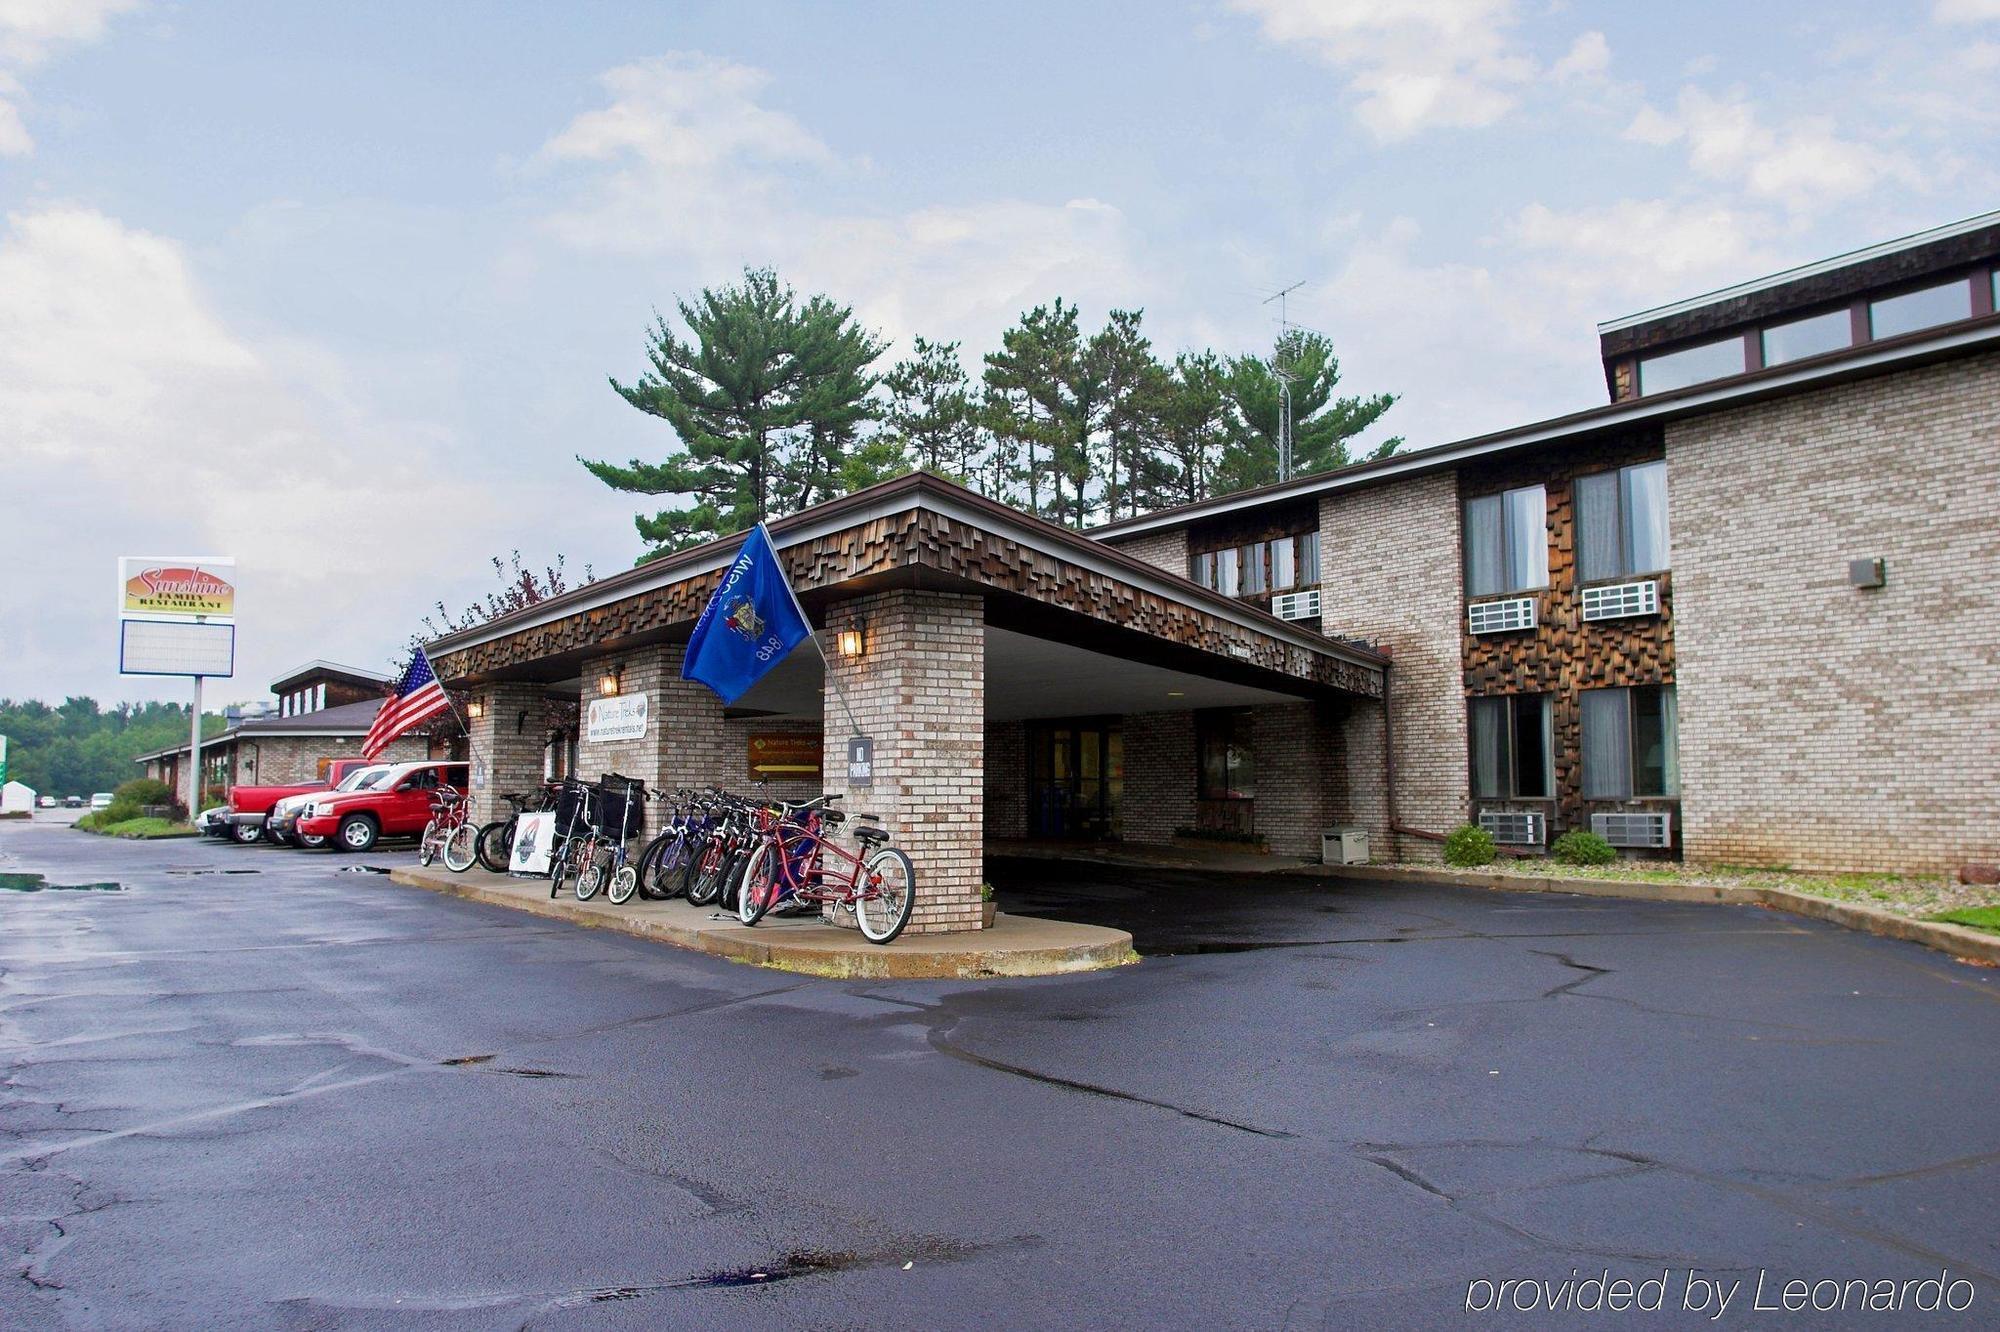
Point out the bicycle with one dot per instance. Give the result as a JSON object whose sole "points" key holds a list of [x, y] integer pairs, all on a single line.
{"points": [[449, 833], [879, 884], [495, 844]]}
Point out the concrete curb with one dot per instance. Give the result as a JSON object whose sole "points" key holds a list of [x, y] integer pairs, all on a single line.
{"points": [[1015, 946], [1953, 939]]}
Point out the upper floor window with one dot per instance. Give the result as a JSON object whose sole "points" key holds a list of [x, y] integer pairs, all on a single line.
{"points": [[1621, 520], [1512, 749], [1631, 743], [1507, 542], [1925, 307], [1810, 336], [1691, 365], [1259, 568]]}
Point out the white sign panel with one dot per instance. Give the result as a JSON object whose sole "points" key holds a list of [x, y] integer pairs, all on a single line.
{"points": [[532, 835], [176, 647], [610, 720]]}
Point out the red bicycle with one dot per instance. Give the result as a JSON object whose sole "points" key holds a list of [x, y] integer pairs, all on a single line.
{"points": [[795, 858]]}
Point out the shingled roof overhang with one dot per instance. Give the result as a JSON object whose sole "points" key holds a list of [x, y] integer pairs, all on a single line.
{"points": [[921, 531]]}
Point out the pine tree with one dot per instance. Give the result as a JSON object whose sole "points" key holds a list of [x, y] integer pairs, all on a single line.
{"points": [[766, 398], [1322, 423]]}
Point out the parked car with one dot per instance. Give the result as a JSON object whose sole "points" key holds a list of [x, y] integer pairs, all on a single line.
{"points": [[45, 802], [282, 826], [250, 806], [102, 800], [397, 806]]}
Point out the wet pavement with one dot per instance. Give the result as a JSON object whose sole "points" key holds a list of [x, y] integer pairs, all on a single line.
{"points": [[303, 1097]]}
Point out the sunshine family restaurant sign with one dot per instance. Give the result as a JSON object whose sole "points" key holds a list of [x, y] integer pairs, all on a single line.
{"points": [[156, 587]]}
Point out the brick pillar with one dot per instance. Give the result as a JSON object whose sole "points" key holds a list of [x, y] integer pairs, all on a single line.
{"points": [[506, 746], [919, 690], [643, 671]]}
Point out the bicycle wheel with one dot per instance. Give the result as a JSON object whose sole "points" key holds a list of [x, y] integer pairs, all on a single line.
{"points": [[623, 882], [461, 848], [495, 847], [707, 877], [589, 876], [760, 885], [429, 845], [888, 891]]}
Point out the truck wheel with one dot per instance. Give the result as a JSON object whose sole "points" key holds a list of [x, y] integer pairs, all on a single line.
{"points": [[357, 833], [246, 834]]}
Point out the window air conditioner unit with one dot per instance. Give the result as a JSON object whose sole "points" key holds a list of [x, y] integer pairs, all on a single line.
{"points": [[1643, 830], [1296, 605], [1515, 828], [1617, 601], [1499, 617]]}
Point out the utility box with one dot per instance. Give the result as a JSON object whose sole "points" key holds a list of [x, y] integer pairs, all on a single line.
{"points": [[1344, 846]]}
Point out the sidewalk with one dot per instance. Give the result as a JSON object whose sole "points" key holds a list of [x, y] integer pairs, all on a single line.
{"points": [[1015, 946]]}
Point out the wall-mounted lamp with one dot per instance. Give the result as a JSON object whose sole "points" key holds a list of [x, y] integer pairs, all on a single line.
{"points": [[607, 684], [475, 709], [852, 642]]}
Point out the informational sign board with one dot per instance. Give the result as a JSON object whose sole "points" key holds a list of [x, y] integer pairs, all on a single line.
{"points": [[181, 587], [532, 835], [607, 721], [860, 760], [176, 647], [787, 756]]}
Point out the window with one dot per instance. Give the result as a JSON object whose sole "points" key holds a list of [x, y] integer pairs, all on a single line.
{"points": [[1621, 520], [1284, 564], [1631, 743], [1511, 747], [1808, 337], [1691, 365], [1926, 307], [1228, 763], [1506, 542], [1251, 561]]}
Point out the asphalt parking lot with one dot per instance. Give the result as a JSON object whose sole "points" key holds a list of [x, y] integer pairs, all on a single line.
{"points": [[254, 1087]]}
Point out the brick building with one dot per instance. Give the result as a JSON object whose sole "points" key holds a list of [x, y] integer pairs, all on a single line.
{"points": [[1745, 612]]}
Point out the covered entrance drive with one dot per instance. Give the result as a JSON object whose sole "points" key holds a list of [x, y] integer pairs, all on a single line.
{"points": [[1011, 676]]}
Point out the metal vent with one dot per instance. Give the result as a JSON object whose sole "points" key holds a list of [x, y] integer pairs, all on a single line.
{"points": [[1647, 830], [1514, 828], [1296, 605], [1499, 617], [1617, 601]]}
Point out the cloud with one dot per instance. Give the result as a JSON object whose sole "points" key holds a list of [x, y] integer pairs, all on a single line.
{"points": [[140, 422], [1966, 11], [687, 165], [1430, 64], [1805, 164], [30, 31]]}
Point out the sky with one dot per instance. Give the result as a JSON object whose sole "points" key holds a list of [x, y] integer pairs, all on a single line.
{"points": [[336, 289]]}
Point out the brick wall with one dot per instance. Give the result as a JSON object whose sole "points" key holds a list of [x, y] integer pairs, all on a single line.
{"points": [[919, 690], [1822, 725], [1163, 550], [1159, 775], [1006, 779], [1389, 560]]}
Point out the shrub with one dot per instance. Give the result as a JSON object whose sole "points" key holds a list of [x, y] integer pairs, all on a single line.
{"points": [[1580, 846], [1468, 845], [145, 791]]}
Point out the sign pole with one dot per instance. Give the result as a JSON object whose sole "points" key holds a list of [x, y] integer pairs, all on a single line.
{"points": [[194, 754]]}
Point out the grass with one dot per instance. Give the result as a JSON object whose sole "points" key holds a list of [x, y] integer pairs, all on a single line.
{"points": [[1924, 897], [1979, 918], [144, 829]]}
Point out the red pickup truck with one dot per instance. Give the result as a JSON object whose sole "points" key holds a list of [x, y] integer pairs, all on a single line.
{"points": [[397, 806], [246, 818]]}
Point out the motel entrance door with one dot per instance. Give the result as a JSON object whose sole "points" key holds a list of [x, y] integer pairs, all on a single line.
{"points": [[1076, 779]]}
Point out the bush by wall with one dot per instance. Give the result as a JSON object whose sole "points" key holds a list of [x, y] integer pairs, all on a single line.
{"points": [[1469, 845], [1580, 846]]}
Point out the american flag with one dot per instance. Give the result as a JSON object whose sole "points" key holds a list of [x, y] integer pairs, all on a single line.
{"points": [[418, 699]]}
